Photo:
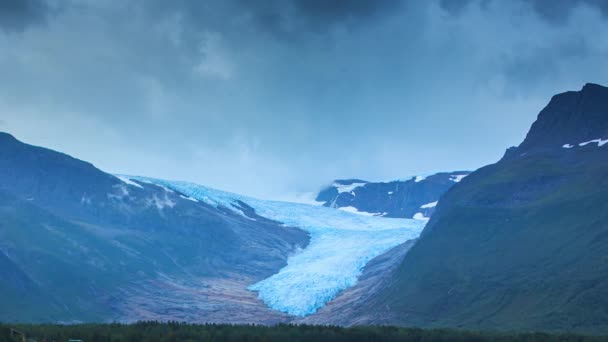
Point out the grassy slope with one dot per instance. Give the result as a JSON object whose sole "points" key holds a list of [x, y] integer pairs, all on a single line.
{"points": [[57, 256], [518, 245], [67, 270]]}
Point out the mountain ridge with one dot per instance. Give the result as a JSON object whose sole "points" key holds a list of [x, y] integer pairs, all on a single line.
{"points": [[126, 246], [522, 241], [415, 197]]}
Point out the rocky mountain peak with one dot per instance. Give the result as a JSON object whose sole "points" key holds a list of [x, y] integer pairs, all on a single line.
{"points": [[569, 119]]}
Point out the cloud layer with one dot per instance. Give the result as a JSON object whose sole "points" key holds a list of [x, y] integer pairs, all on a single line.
{"points": [[272, 97]]}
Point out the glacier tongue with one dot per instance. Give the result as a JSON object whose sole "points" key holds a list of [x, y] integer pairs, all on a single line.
{"points": [[331, 263], [341, 245]]}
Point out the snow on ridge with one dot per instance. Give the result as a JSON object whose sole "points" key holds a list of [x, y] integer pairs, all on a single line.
{"points": [[429, 205], [318, 273], [418, 179], [128, 181], [207, 195], [457, 178], [188, 198], [347, 188], [420, 217], [599, 142]]}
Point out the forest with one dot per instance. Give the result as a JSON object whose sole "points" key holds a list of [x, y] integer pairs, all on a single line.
{"points": [[175, 331]]}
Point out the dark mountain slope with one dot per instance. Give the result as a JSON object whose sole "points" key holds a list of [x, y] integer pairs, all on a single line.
{"points": [[570, 118], [50, 266], [106, 249], [523, 243], [20, 293]]}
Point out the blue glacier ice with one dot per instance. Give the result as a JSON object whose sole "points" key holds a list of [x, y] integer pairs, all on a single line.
{"points": [[342, 243]]}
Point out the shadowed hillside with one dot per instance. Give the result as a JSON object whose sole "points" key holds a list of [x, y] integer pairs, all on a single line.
{"points": [[523, 243]]}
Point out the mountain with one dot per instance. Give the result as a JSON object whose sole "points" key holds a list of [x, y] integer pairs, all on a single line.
{"points": [[78, 244], [411, 198], [517, 245], [520, 244]]}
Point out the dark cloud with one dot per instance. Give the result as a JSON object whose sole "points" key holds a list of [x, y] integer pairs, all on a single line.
{"points": [[558, 11], [301, 16], [454, 7], [16, 15], [555, 11], [282, 18], [332, 11], [266, 96]]}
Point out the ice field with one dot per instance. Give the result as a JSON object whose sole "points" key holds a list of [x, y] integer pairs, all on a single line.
{"points": [[341, 245]]}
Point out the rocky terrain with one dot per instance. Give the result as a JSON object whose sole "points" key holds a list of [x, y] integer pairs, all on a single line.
{"points": [[415, 197]]}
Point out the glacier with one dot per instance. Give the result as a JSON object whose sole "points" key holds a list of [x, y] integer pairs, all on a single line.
{"points": [[341, 244]]}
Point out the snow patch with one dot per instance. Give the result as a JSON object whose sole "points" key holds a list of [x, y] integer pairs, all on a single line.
{"points": [[356, 211], [599, 142], [457, 178], [189, 198], [347, 188], [420, 217], [418, 179], [241, 213], [429, 205], [128, 181]]}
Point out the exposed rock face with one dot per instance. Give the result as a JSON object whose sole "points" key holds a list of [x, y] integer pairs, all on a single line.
{"points": [[570, 118], [399, 198]]}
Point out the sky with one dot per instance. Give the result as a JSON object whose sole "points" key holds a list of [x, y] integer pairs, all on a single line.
{"points": [[274, 98]]}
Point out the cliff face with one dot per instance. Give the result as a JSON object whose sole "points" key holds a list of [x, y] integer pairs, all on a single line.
{"points": [[570, 118]]}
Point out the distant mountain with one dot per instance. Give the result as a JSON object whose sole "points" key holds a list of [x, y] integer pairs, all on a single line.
{"points": [[78, 244], [411, 198], [520, 244]]}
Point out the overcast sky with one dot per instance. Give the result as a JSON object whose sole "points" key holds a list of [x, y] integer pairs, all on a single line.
{"points": [[275, 97]]}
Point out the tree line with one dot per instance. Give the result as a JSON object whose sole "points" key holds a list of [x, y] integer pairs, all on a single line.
{"points": [[181, 332]]}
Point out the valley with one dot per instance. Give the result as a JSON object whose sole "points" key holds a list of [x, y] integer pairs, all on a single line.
{"points": [[518, 244]]}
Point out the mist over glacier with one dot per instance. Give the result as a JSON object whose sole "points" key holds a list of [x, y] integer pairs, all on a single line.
{"points": [[341, 244]]}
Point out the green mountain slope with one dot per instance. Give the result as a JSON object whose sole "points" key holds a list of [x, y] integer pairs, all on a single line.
{"points": [[521, 244], [59, 270]]}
